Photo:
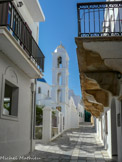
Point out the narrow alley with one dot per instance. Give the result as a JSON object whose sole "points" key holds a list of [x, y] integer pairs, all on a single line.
{"points": [[76, 145]]}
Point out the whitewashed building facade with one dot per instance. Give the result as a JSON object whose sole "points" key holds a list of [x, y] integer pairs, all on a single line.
{"points": [[21, 61], [109, 125], [99, 51]]}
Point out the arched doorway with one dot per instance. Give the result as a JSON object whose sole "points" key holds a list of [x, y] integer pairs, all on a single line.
{"points": [[114, 128]]}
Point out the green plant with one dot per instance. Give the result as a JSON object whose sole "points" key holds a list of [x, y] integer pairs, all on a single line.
{"points": [[7, 106], [38, 132], [53, 113], [39, 114]]}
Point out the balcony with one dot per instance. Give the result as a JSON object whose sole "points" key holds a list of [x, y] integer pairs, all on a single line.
{"points": [[99, 52], [99, 19], [17, 42]]}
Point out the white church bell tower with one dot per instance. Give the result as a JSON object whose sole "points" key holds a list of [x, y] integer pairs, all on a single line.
{"points": [[60, 75]]}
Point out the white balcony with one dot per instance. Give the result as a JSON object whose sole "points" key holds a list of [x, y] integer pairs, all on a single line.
{"points": [[10, 47]]}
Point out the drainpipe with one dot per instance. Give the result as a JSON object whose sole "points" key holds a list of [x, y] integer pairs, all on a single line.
{"points": [[34, 110], [33, 114]]}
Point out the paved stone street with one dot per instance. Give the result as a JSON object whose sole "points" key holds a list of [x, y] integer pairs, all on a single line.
{"points": [[76, 145]]}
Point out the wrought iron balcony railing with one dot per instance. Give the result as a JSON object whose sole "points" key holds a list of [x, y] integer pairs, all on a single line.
{"points": [[99, 19], [13, 21]]}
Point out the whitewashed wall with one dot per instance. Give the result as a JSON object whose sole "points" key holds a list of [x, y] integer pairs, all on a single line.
{"points": [[15, 134], [106, 138], [101, 130], [109, 139], [80, 110], [43, 98], [15, 137], [119, 128], [71, 113], [78, 104], [74, 115]]}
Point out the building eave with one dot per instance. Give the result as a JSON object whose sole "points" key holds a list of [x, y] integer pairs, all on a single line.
{"points": [[35, 10]]}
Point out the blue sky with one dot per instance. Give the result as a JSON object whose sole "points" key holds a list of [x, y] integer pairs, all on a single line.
{"points": [[60, 26]]}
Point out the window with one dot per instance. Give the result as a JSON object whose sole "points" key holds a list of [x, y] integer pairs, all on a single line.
{"points": [[59, 62], [9, 16], [48, 93], [39, 90], [59, 79], [10, 103], [15, 24], [59, 97]]}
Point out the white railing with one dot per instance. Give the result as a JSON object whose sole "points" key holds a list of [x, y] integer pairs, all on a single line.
{"points": [[52, 125]]}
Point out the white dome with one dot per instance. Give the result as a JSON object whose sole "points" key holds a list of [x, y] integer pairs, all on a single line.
{"points": [[60, 48]]}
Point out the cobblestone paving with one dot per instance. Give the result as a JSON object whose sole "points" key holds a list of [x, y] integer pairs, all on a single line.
{"points": [[76, 145]]}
